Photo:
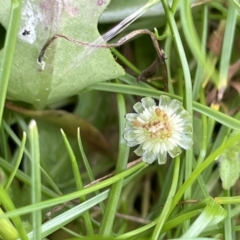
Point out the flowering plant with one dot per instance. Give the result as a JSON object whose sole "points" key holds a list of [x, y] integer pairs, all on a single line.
{"points": [[158, 129]]}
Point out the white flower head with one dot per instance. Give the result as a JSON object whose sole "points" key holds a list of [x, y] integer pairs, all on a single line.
{"points": [[158, 129]]}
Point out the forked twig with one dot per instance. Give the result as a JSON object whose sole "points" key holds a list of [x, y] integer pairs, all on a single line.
{"points": [[149, 72]]}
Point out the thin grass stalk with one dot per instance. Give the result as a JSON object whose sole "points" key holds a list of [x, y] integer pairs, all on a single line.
{"points": [[36, 194], [8, 52], [17, 163], [116, 189], [166, 209], [79, 183]]}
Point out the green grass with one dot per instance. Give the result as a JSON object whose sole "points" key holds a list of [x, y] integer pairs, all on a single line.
{"points": [[66, 171]]}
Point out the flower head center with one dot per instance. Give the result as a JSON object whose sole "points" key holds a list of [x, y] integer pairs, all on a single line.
{"points": [[158, 125]]}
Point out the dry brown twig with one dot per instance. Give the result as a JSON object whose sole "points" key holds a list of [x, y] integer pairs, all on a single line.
{"points": [[147, 73]]}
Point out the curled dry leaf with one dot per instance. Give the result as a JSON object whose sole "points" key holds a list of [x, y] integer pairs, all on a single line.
{"points": [[216, 40], [69, 122]]}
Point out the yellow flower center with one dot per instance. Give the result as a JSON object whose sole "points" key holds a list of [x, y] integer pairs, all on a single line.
{"points": [[159, 126]]}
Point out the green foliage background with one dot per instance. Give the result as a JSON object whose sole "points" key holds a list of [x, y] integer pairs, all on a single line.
{"points": [[45, 163]]}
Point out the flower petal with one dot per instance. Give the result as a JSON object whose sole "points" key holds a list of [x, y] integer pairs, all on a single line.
{"points": [[186, 142], [164, 100], [175, 151], [132, 144], [156, 148], [131, 116], [175, 105], [162, 158], [187, 128], [149, 157], [148, 102], [146, 145], [129, 135], [139, 151], [138, 107]]}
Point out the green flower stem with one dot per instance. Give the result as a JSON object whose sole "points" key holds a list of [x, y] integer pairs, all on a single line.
{"points": [[167, 207], [8, 51], [116, 189]]}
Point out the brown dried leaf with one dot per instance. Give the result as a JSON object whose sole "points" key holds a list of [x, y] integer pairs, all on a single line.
{"points": [[216, 40]]}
